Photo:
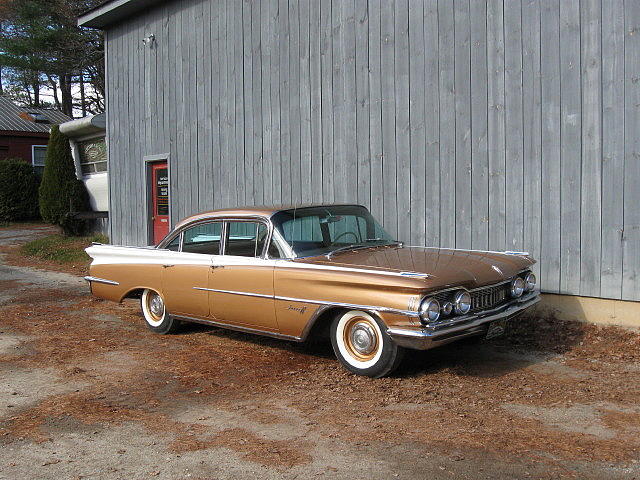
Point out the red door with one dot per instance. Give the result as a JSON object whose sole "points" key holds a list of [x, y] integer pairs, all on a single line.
{"points": [[160, 194]]}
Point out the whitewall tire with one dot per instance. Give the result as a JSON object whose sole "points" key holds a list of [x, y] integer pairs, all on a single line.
{"points": [[155, 313], [362, 345]]}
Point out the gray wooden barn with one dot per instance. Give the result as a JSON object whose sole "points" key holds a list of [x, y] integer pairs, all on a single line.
{"points": [[477, 124]]}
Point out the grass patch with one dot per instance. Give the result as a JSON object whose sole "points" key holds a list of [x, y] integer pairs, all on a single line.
{"points": [[61, 249]]}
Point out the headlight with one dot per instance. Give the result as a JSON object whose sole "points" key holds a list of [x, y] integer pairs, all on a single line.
{"points": [[462, 302], [529, 282], [430, 310], [517, 287], [446, 308]]}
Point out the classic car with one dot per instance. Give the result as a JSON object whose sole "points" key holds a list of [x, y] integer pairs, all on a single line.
{"points": [[305, 272]]}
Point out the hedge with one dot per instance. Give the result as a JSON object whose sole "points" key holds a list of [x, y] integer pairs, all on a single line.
{"points": [[18, 191]]}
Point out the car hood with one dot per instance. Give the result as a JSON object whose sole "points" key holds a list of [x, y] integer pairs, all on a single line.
{"points": [[440, 266]]}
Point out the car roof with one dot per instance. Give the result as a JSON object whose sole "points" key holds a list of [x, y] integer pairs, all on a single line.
{"points": [[258, 211]]}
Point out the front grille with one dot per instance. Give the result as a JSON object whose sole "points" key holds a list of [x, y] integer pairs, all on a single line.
{"points": [[489, 297]]}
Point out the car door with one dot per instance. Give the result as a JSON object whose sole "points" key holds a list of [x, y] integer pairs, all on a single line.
{"points": [[185, 275], [241, 284]]}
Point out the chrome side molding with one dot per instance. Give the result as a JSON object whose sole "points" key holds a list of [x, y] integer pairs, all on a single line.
{"points": [[101, 280]]}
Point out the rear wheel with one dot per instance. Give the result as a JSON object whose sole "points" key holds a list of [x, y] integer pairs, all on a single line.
{"points": [[155, 313], [361, 343]]}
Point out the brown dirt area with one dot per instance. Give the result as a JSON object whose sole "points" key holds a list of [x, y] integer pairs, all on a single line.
{"points": [[551, 399]]}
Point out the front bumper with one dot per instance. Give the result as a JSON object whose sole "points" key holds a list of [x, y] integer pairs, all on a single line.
{"points": [[424, 338]]}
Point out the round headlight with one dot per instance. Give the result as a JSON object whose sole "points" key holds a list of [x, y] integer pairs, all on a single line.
{"points": [[517, 287], [529, 282], [447, 308], [430, 310], [462, 302]]}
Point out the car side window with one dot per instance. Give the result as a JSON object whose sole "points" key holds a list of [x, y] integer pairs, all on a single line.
{"points": [[174, 244], [246, 239], [203, 238]]}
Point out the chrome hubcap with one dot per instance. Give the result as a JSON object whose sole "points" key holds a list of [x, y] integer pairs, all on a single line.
{"points": [[363, 338], [156, 306]]}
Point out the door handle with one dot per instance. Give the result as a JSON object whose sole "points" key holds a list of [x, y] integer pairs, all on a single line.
{"points": [[213, 267], [167, 266]]}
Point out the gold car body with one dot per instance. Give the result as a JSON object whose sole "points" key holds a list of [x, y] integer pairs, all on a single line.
{"points": [[287, 297]]}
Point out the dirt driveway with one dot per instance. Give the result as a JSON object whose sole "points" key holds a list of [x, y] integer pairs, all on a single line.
{"points": [[88, 392]]}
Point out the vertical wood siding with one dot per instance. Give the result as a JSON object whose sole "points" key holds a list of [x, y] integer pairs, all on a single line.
{"points": [[471, 124]]}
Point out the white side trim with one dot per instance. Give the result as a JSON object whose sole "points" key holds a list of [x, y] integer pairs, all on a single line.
{"points": [[335, 268]]}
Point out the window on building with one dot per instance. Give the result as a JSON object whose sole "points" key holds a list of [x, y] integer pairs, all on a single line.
{"points": [[93, 156], [39, 154], [39, 117]]}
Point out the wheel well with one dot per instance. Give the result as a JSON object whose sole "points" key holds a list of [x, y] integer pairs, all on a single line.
{"points": [[321, 327], [135, 293]]}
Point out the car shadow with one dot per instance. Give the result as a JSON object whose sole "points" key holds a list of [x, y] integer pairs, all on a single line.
{"points": [[532, 338]]}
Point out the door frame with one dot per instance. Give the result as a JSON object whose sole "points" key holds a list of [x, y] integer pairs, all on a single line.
{"points": [[148, 160]]}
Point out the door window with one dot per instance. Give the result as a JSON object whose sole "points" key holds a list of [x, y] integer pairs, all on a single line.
{"points": [[174, 244], [246, 239], [203, 238], [162, 191]]}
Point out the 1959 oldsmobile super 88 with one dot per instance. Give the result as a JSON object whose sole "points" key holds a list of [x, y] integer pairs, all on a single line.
{"points": [[300, 272]]}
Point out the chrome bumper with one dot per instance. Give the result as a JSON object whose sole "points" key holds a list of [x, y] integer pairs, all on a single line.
{"points": [[424, 338]]}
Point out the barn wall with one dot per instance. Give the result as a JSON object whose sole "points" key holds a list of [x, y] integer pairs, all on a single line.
{"points": [[484, 125]]}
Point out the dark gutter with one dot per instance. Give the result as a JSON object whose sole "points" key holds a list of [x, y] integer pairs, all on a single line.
{"points": [[113, 11]]}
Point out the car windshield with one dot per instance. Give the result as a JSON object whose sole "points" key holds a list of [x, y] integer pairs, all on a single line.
{"points": [[314, 231]]}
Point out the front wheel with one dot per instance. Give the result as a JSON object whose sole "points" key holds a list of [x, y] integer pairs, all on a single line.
{"points": [[155, 313], [361, 343]]}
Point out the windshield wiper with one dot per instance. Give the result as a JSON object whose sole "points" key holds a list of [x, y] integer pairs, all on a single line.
{"points": [[358, 246], [353, 246]]}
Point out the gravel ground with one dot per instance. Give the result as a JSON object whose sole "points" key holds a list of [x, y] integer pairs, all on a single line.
{"points": [[88, 392]]}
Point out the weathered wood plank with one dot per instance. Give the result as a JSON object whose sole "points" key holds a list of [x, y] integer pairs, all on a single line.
{"points": [[432, 123], [479, 217], [247, 161], [550, 148], [255, 185], [496, 125], [238, 163], [375, 109], [191, 136], [267, 60], [417, 54], [305, 195], [294, 99], [285, 99], [570, 146], [403, 140], [389, 153], [349, 191], [326, 59], [276, 132], [516, 52], [315, 65], [532, 167], [613, 146], [216, 80], [462, 86], [591, 209], [446, 43], [221, 198], [338, 27], [631, 245], [362, 102]]}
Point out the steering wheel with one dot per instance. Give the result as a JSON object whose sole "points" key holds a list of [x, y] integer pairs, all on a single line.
{"points": [[355, 235]]}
